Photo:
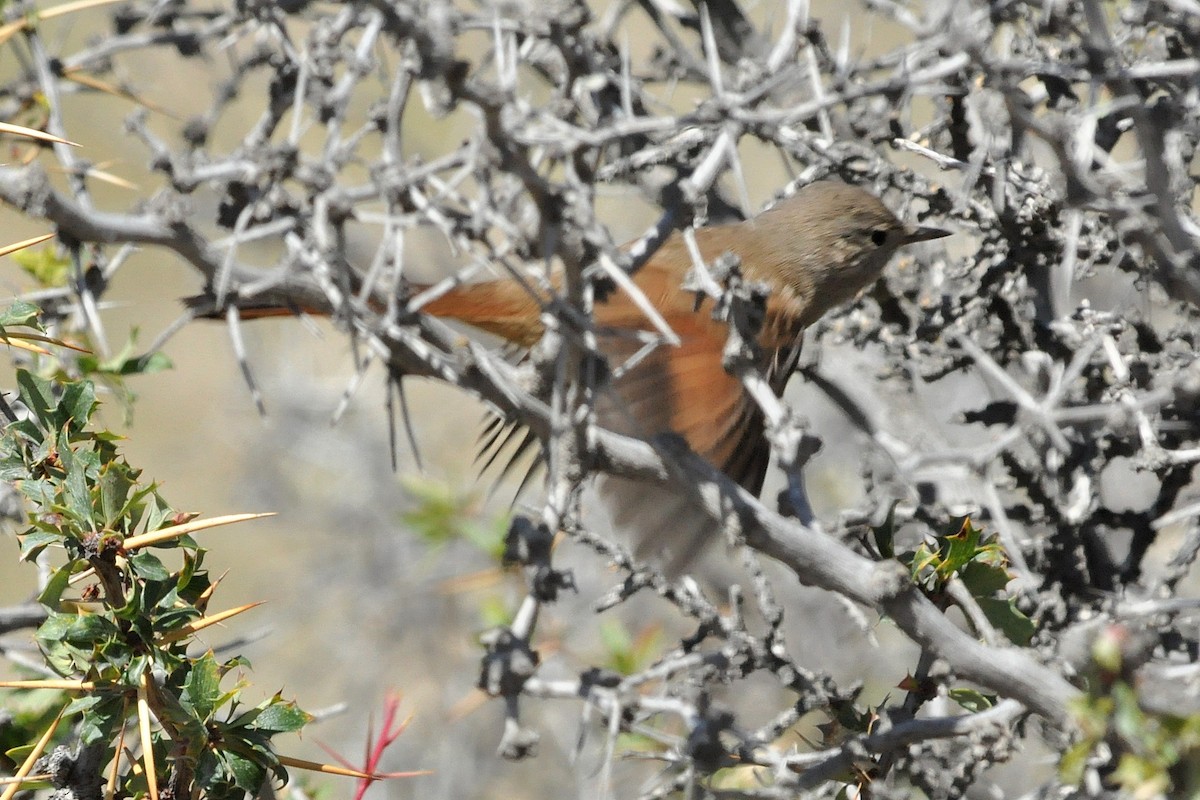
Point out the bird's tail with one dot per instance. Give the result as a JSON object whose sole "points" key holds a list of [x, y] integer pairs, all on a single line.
{"points": [[502, 308]]}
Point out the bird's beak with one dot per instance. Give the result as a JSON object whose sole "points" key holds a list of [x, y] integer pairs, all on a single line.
{"points": [[924, 234]]}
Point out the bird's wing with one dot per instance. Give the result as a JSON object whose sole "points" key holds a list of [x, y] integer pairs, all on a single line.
{"points": [[682, 389], [685, 390]]}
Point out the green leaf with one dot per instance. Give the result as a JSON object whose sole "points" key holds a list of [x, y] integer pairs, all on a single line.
{"points": [[959, 549], [885, 534], [191, 585], [190, 731], [237, 662], [146, 565], [87, 629], [44, 264], [162, 594], [40, 493], [972, 700], [34, 542], [984, 580], [20, 313], [114, 483], [202, 689], [19, 754], [56, 586], [38, 396], [28, 429], [189, 571], [147, 363], [440, 513], [136, 504], [246, 718], [1005, 617], [176, 618], [126, 362], [55, 627], [60, 658], [77, 494], [1074, 762], [78, 402], [84, 703], [246, 774], [158, 513], [68, 640], [281, 717], [1141, 776], [125, 365], [101, 716], [210, 770], [922, 558]]}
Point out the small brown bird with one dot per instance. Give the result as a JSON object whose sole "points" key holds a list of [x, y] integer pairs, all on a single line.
{"points": [[816, 250]]}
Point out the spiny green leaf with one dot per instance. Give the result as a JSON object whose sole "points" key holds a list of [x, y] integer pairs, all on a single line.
{"points": [[959, 549], [34, 542], [281, 717], [100, 721], [55, 627], [78, 402], [77, 493], [28, 430], [246, 718], [1005, 617], [40, 493], [158, 511], [84, 703], [56, 586], [87, 629], [921, 559], [38, 396], [175, 618], [20, 313], [126, 362], [202, 689], [115, 484], [146, 565], [984, 580], [246, 774]]}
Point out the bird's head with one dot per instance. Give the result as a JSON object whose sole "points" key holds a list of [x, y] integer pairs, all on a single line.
{"points": [[829, 241]]}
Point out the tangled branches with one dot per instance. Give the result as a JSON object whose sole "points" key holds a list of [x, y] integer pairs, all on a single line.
{"points": [[1018, 377]]}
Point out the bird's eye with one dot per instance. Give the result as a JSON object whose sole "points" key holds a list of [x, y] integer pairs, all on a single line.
{"points": [[878, 237]]}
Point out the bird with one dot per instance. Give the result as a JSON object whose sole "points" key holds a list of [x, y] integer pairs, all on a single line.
{"points": [[814, 250]]}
